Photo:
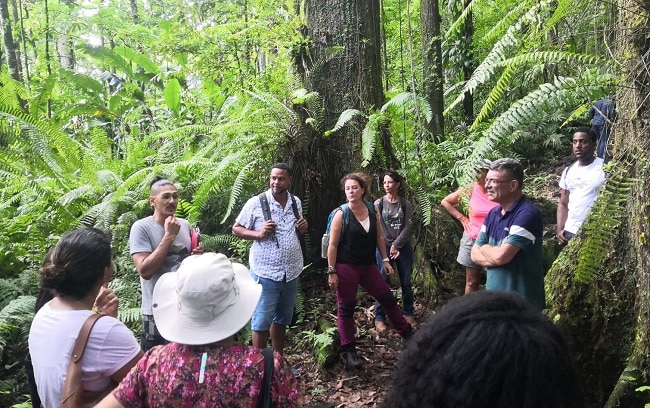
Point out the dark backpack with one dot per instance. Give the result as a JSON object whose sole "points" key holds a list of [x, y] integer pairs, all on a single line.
{"points": [[346, 220], [266, 210]]}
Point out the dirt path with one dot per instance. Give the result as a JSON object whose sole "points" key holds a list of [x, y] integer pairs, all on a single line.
{"points": [[338, 386]]}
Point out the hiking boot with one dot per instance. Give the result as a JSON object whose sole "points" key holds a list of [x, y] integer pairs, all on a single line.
{"points": [[380, 325], [406, 336], [352, 359], [411, 320]]}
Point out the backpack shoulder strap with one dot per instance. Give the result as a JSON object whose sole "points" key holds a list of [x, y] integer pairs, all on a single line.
{"points": [[566, 171], [346, 214], [370, 206], [264, 202], [294, 206]]}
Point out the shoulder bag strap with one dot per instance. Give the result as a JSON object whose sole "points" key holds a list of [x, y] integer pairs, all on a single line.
{"points": [[265, 400], [72, 388]]}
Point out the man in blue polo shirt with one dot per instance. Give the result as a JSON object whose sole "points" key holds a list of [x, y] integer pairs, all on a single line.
{"points": [[509, 245]]}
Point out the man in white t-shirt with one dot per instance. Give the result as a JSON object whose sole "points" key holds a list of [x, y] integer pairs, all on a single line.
{"points": [[579, 184]]}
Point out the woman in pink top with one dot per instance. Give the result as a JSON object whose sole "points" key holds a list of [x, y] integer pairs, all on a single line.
{"points": [[479, 206]]}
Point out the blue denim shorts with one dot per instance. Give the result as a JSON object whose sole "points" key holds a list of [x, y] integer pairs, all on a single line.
{"points": [[276, 304]]}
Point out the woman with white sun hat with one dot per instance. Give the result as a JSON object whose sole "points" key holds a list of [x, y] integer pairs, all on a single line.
{"points": [[199, 309]]}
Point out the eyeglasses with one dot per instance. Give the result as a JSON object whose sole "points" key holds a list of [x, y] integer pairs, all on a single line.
{"points": [[168, 196], [495, 181]]}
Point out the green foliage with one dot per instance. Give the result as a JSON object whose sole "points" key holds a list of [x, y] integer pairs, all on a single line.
{"points": [[600, 229], [320, 344], [204, 93]]}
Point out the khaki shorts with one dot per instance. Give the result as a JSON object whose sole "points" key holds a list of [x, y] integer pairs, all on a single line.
{"points": [[465, 252]]}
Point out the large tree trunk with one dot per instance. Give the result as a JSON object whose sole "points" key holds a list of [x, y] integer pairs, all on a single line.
{"points": [[11, 51], [607, 320], [343, 65], [432, 66], [632, 146], [468, 63]]}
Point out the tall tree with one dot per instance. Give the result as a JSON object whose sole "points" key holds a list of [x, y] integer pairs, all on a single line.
{"points": [[432, 66], [342, 64], [11, 51], [606, 312], [468, 59], [631, 146]]}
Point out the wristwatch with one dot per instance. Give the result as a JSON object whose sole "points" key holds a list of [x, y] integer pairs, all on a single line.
{"points": [[331, 270], [385, 260]]}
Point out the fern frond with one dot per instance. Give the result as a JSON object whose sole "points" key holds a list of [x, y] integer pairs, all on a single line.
{"points": [[16, 316], [425, 205], [370, 136], [600, 229], [130, 315], [236, 189], [412, 101], [509, 42], [495, 95], [346, 116]]}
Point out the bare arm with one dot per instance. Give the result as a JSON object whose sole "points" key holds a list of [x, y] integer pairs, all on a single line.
{"points": [[147, 263], [451, 202], [109, 401], [490, 255], [240, 231], [332, 248], [381, 246], [561, 216]]}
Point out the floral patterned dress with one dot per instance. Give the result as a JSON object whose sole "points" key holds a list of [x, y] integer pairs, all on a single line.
{"points": [[169, 376]]}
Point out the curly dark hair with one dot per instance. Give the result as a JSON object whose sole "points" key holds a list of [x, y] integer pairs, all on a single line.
{"points": [[77, 263], [486, 350]]}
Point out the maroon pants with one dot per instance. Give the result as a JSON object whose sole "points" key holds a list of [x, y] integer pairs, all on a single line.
{"points": [[368, 277]]}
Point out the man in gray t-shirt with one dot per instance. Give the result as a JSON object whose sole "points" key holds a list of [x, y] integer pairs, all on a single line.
{"points": [[158, 244]]}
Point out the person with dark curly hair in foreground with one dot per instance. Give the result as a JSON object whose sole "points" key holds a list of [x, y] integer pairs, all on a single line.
{"points": [[486, 349]]}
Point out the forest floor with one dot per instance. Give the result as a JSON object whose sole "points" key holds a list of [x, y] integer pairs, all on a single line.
{"points": [[338, 386]]}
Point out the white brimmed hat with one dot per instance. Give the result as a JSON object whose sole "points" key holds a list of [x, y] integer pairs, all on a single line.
{"points": [[208, 299]]}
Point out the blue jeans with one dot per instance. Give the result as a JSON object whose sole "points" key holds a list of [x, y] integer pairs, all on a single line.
{"points": [[603, 135], [404, 266], [276, 304]]}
